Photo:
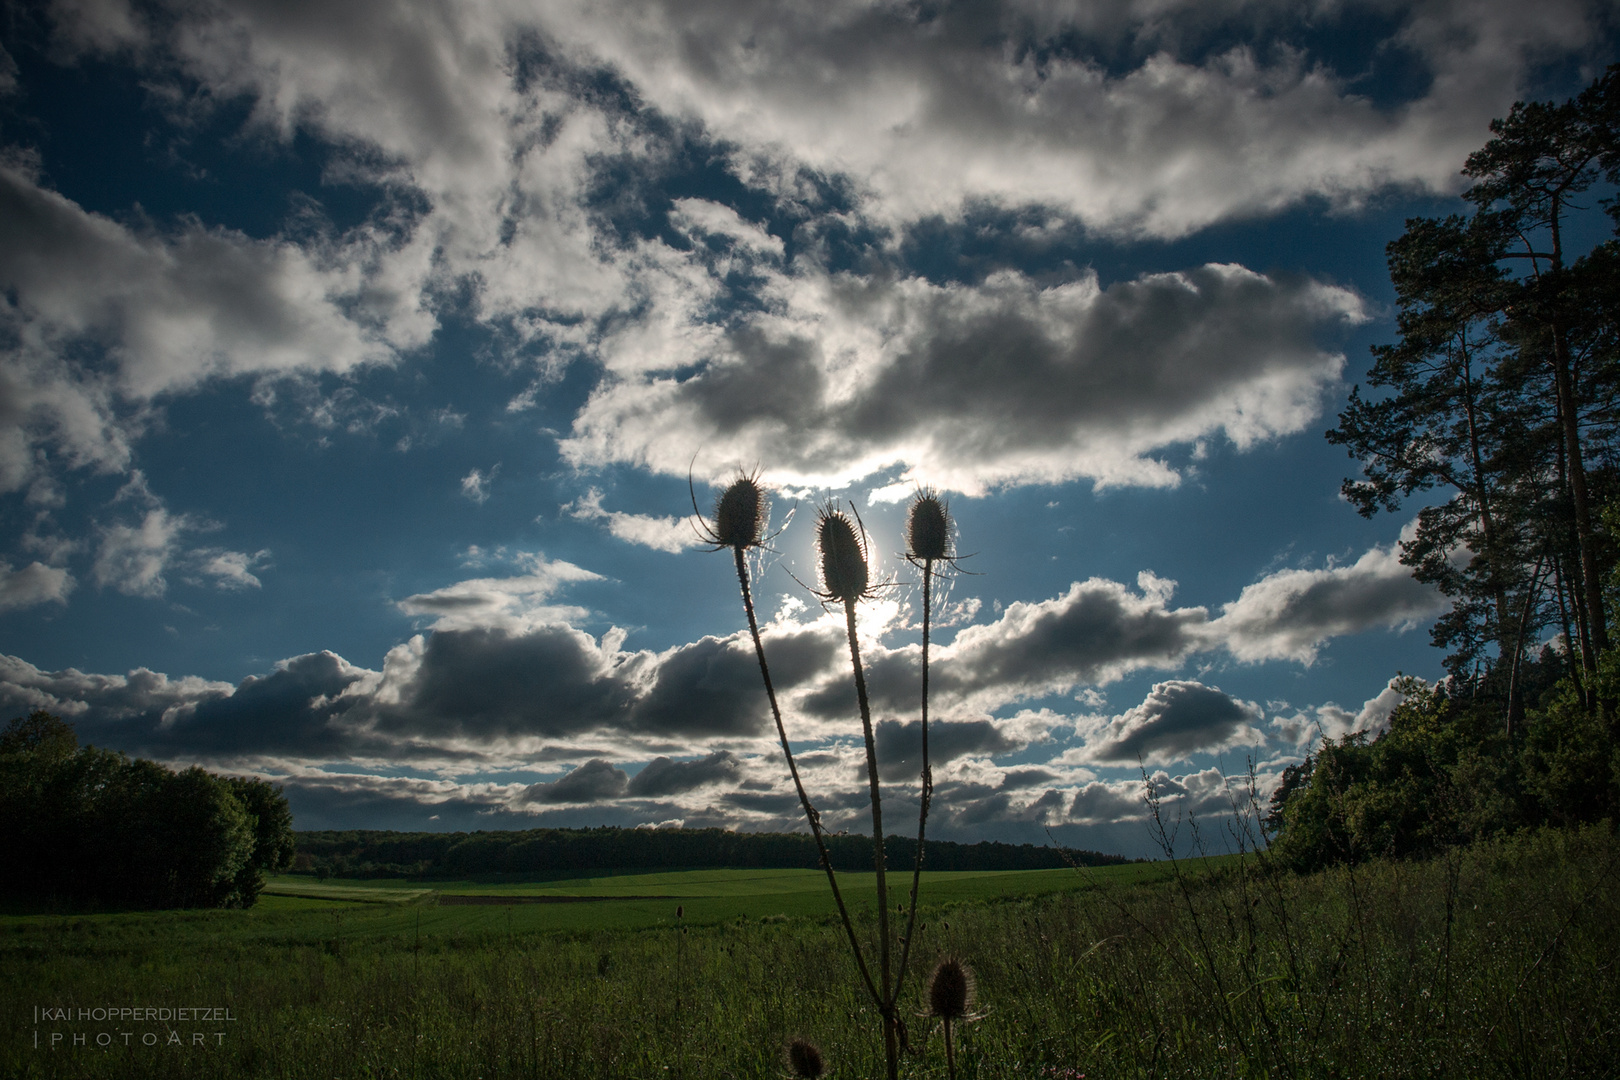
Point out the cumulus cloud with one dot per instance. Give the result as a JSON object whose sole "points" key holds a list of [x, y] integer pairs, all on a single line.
{"points": [[971, 386], [1330, 721], [34, 584], [135, 557], [595, 781], [474, 124], [1177, 719], [72, 693], [662, 776], [899, 745], [1289, 614], [671, 534], [1095, 633]]}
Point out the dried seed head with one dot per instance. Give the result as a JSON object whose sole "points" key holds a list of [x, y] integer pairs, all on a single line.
{"points": [[804, 1059], [843, 558], [928, 528], [739, 516], [951, 990]]}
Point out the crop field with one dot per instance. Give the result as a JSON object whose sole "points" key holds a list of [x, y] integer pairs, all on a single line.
{"points": [[637, 901], [1494, 961]]}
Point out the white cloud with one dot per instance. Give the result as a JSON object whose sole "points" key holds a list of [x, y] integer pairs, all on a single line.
{"points": [[509, 602], [136, 557], [475, 485], [133, 558], [990, 102], [231, 569], [456, 112], [1289, 614], [671, 534], [169, 312], [977, 386], [1330, 721], [34, 584], [698, 217]]}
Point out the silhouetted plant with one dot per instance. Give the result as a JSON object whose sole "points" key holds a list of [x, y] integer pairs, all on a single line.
{"points": [[739, 524], [843, 553], [952, 994], [803, 1059]]}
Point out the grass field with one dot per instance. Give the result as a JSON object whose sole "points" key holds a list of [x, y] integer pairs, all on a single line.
{"points": [[1497, 961]]}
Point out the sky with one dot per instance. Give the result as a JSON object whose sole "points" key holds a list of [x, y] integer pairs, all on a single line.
{"points": [[361, 364]]}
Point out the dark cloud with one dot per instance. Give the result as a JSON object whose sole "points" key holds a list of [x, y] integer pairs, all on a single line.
{"points": [[595, 781], [1101, 803], [1015, 779], [1176, 720], [784, 805], [999, 809], [661, 776], [486, 684], [709, 687], [1097, 631], [289, 710], [899, 745]]}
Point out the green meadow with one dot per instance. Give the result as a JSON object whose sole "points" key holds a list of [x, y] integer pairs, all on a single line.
{"points": [[1496, 960]]}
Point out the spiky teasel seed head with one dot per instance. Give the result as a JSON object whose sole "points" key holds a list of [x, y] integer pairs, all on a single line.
{"points": [[739, 516], [804, 1059], [844, 574], [951, 990], [928, 528]]}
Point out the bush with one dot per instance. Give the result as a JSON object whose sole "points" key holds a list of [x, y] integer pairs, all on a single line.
{"points": [[1446, 773]]}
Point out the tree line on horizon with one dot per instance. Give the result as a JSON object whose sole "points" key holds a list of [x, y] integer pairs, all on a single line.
{"points": [[87, 827], [373, 853], [1499, 402]]}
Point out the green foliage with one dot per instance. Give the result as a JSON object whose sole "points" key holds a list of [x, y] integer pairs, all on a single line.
{"points": [[82, 825], [1444, 774]]}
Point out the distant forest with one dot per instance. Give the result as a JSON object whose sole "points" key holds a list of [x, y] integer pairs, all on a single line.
{"points": [[547, 851]]}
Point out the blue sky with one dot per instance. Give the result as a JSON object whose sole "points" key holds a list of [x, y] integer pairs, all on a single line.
{"points": [[355, 358]]}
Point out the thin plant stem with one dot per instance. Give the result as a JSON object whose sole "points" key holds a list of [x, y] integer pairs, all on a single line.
{"points": [[927, 794], [886, 1003], [810, 812]]}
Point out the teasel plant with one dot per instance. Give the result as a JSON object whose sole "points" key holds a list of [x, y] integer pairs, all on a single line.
{"points": [[846, 579], [843, 550], [929, 541], [952, 994], [739, 523], [803, 1059]]}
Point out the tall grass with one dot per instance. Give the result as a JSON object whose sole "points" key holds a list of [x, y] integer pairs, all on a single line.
{"points": [[1499, 960]]}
